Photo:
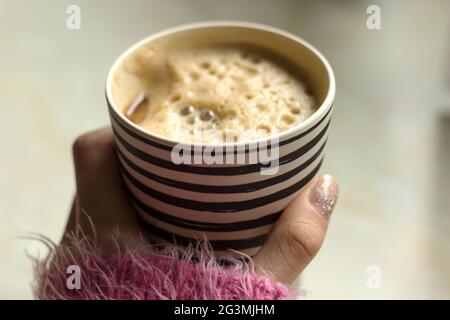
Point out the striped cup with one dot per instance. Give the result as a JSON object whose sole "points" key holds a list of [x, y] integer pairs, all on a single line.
{"points": [[233, 204]]}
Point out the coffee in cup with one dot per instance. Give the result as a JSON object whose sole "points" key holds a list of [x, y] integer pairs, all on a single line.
{"points": [[247, 91]]}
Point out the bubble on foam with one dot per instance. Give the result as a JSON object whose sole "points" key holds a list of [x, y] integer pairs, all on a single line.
{"points": [[288, 118], [264, 127], [295, 110], [195, 75], [205, 65], [176, 97], [252, 70], [207, 115], [261, 106], [187, 110]]}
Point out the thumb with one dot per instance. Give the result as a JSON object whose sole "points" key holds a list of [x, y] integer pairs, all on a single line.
{"points": [[299, 233]]}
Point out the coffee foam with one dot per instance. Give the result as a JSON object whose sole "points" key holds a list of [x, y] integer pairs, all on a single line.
{"points": [[217, 90]]}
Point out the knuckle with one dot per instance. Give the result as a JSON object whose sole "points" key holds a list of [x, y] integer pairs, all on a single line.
{"points": [[82, 145], [303, 239]]}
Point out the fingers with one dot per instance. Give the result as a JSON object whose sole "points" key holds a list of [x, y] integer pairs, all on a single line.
{"points": [[299, 233], [100, 190]]}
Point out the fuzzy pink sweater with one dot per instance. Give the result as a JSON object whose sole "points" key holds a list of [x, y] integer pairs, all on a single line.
{"points": [[148, 273]]}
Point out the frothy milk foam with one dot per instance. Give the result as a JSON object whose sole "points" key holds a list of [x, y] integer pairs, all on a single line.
{"points": [[226, 91]]}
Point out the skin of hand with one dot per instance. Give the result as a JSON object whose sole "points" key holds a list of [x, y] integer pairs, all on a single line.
{"points": [[101, 201]]}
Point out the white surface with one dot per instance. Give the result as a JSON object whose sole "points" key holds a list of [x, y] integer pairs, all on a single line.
{"points": [[382, 147]]}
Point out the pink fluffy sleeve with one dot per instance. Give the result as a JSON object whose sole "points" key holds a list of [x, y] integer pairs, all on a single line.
{"points": [[147, 273]]}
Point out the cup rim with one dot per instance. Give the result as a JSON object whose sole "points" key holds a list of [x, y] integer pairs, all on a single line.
{"points": [[315, 117]]}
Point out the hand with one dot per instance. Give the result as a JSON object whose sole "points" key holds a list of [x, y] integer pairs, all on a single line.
{"points": [[101, 202]]}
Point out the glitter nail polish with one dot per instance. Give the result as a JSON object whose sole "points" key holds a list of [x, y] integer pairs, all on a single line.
{"points": [[324, 195]]}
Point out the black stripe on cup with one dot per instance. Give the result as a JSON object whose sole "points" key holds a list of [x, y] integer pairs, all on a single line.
{"points": [[248, 187], [238, 244], [232, 206], [206, 226], [223, 171]]}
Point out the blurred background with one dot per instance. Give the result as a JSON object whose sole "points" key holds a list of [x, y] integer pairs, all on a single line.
{"points": [[389, 144]]}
